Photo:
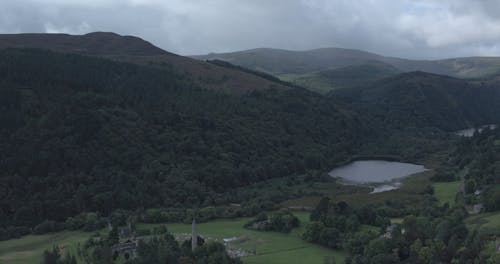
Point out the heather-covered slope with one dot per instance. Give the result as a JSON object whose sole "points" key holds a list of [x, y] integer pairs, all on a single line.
{"points": [[138, 51]]}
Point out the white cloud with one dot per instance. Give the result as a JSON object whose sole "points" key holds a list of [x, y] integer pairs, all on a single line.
{"points": [[83, 28], [445, 28]]}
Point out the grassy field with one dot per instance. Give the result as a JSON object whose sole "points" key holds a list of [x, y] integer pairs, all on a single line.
{"points": [[397, 221], [487, 223], [445, 192], [29, 249], [311, 81], [411, 191], [272, 247]]}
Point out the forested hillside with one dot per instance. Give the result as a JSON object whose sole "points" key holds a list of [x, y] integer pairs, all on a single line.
{"points": [[420, 99], [87, 134], [480, 156]]}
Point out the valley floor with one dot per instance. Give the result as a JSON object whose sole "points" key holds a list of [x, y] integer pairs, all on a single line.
{"points": [[485, 223], [271, 247], [446, 192], [29, 249]]}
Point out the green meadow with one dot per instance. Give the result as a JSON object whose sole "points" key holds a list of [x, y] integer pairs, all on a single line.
{"points": [[271, 247], [487, 223], [29, 249], [446, 192]]}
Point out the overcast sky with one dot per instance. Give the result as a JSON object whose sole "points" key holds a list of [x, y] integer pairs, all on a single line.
{"points": [[405, 28]]}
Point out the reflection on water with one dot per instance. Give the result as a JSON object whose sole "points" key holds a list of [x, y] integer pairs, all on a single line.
{"points": [[379, 174], [469, 132], [375, 171]]}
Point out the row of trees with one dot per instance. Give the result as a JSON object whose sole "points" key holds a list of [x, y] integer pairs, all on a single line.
{"points": [[433, 234], [282, 221], [333, 223], [420, 239], [480, 154]]}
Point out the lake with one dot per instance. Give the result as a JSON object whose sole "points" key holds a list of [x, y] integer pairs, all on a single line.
{"points": [[380, 174], [469, 132]]}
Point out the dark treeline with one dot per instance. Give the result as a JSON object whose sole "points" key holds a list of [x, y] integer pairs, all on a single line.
{"points": [[420, 99], [256, 73], [332, 223], [480, 157], [282, 221], [440, 237], [434, 234]]}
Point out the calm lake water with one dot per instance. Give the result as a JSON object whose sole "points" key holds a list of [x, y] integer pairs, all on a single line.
{"points": [[369, 172], [469, 132]]}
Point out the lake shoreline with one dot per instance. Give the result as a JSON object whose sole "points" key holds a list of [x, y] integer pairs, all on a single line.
{"points": [[379, 174]]}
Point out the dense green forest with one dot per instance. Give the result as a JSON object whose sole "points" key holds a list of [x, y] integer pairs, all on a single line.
{"points": [[431, 234], [282, 221], [480, 156], [88, 134], [420, 99], [434, 235]]}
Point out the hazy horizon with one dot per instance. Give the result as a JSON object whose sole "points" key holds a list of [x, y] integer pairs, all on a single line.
{"points": [[408, 29]]}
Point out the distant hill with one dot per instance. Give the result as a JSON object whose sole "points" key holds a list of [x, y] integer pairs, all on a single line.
{"points": [[343, 77], [279, 62], [97, 43], [302, 67], [138, 51], [420, 99]]}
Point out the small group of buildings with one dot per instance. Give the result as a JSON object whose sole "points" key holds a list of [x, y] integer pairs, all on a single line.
{"points": [[128, 243], [127, 249], [389, 231]]}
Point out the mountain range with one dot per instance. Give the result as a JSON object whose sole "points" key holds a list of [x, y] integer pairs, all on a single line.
{"points": [[328, 69]]}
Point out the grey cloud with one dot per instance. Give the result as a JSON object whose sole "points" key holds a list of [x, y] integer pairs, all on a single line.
{"points": [[406, 28]]}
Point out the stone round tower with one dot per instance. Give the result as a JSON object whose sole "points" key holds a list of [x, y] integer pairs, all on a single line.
{"points": [[194, 236]]}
